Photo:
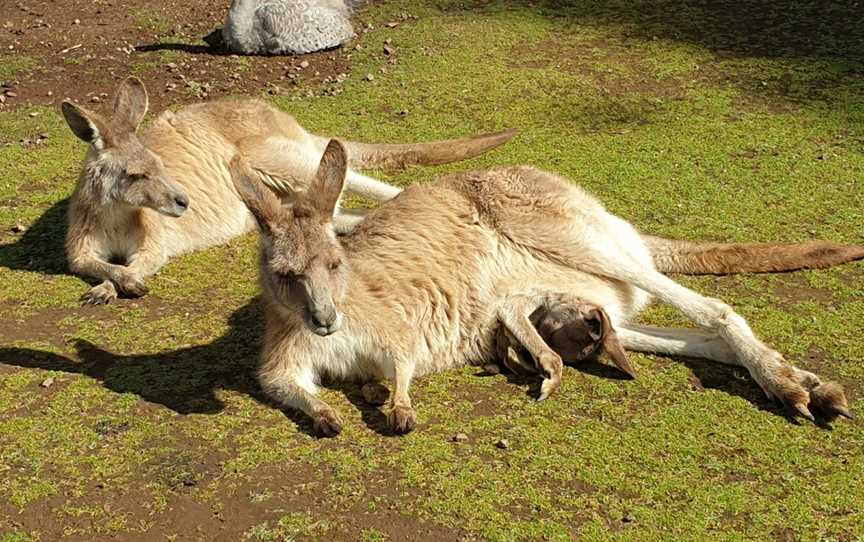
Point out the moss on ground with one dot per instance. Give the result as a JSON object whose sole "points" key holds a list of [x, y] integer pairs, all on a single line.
{"points": [[681, 121]]}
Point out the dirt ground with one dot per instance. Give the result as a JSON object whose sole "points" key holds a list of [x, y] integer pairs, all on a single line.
{"points": [[84, 48]]}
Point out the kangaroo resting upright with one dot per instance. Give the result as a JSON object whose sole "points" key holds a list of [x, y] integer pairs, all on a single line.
{"points": [[424, 282]]}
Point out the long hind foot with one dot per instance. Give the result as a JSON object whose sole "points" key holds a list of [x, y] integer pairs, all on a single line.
{"points": [[801, 390]]}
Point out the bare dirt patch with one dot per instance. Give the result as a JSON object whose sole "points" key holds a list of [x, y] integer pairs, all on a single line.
{"points": [[82, 49], [616, 68]]}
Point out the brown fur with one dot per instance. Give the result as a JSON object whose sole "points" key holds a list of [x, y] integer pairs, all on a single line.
{"points": [[424, 283], [143, 198], [575, 330], [720, 259]]}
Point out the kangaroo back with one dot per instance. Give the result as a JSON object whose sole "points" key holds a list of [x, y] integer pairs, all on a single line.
{"points": [[671, 256]]}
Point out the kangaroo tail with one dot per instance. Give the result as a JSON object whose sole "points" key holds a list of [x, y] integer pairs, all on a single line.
{"points": [[720, 259], [400, 156]]}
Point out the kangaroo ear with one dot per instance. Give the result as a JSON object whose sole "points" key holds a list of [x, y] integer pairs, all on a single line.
{"points": [[330, 178], [130, 103], [260, 200], [610, 342], [87, 125]]}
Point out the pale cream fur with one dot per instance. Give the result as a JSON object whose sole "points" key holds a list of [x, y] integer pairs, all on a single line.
{"points": [[423, 283], [181, 161]]}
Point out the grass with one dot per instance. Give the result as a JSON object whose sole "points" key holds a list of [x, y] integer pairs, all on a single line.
{"points": [[10, 66], [679, 120], [152, 20]]}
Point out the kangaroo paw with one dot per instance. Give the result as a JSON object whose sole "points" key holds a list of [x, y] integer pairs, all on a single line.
{"points": [[327, 423], [402, 419], [100, 295], [375, 393]]}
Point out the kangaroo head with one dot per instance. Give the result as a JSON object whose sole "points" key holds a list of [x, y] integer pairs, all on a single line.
{"points": [[579, 331], [303, 266], [119, 168]]}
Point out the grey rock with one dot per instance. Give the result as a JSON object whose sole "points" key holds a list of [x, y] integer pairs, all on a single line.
{"points": [[277, 27]]}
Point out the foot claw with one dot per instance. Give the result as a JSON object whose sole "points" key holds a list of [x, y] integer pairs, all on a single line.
{"points": [[804, 411], [840, 411], [803, 390], [547, 388]]}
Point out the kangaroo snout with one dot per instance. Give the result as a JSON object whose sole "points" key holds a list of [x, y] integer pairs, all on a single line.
{"points": [[323, 321], [175, 205]]}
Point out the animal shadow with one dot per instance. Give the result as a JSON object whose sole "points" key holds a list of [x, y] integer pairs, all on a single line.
{"points": [[40, 248]]}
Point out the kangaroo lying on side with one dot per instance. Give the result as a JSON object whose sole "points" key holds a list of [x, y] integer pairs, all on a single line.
{"points": [[141, 200], [424, 282]]}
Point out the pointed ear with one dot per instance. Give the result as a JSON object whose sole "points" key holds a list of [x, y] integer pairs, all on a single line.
{"points": [[610, 342], [130, 103], [260, 200], [330, 179], [87, 125]]}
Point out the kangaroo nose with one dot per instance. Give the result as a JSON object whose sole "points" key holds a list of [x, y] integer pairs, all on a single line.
{"points": [[318, 322], [181, 202]]}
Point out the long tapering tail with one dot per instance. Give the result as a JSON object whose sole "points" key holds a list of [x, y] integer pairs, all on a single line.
{"points": [[672, 256], [399, 156]]}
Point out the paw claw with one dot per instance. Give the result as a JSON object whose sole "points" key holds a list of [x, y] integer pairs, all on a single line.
{"points": [[402, 419], [327, 424], [99, 295]]}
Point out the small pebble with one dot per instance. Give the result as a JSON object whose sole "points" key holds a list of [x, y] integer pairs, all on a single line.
{"points": [[95, 99], [19, 228], [628, 518], [370, 77], [49, 93], [460, 437], [304, 64], [11, 93], [503, 444], [47, 382], [76, 21]]}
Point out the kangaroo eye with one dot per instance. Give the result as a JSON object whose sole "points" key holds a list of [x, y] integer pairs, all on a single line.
{"points": [[334, 265], [134, 177]]}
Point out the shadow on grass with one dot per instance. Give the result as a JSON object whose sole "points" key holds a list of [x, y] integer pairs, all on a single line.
{"points": [[40, 248], [815, 49], [775, 28], [187, 380], [736, 381]]}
